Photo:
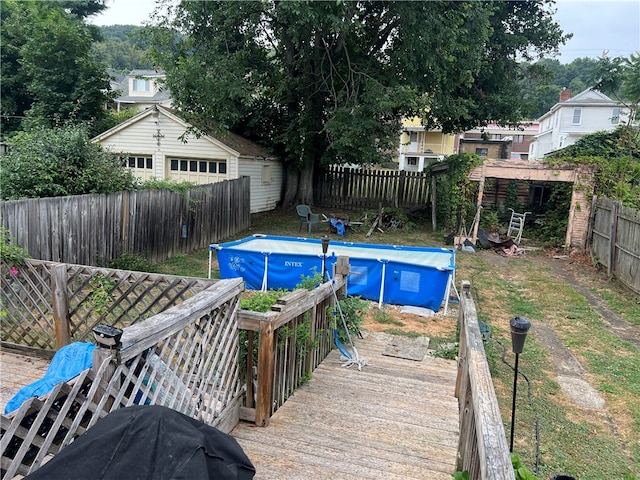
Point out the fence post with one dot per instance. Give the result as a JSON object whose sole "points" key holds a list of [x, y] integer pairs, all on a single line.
{"points": [[401, 194], [592, 219], [59, 293], [99, 356], [264, 395], [433, 202], [613, 232]]}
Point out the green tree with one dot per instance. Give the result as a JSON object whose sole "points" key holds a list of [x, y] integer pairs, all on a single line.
{"points": [[122, 49], [621, 78], [56, 162], [16, 100], [51, 76], [542, 81], [328, 82]]}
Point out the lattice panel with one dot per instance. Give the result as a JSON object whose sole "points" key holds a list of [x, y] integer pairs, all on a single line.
{"points": [[121, 298], [94, 296], [25, 301], [193, 368], [194, 371], [42, 427]]}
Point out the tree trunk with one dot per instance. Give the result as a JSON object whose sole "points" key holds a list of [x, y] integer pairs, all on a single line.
{"points": [[299, 186], [305, 185], [291, 188]]}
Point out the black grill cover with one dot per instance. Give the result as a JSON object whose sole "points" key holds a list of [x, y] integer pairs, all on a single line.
{"points": [[149, 443]]}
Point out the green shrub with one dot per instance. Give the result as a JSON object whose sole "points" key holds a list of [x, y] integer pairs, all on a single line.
{"points": [[51, 162], [261, 301], [10, 251], [310, 282], [131, 261], [353, 309]]}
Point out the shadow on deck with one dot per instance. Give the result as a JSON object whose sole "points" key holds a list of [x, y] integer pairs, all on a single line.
{"points": [[395, 419]]}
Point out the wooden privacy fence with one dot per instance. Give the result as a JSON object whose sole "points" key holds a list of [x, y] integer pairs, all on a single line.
{"points": [[47, 305], [94, 229], [357, 188], [293, 338], [185, 358], [614, 236], [482, 449]]}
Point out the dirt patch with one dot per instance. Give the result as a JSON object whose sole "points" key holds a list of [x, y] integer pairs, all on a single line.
{"points": [[390, 317]]}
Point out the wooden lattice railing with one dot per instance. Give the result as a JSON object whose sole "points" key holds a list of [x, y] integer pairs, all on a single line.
{"points": [[293, 338], [47, 305], [185, 358], [482, 449]]}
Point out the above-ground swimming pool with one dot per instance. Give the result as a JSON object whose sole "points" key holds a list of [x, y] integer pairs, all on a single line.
{"points": [[417, 276]]}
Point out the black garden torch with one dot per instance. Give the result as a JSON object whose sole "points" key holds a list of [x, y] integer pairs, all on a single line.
{"points": [[519, 328], [325, 247]]}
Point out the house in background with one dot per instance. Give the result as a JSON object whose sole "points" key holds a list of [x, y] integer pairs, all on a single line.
{"points": [[419, 147], [158, 143], [487, 148], [498, 141], [573, 117], [141, 89]]}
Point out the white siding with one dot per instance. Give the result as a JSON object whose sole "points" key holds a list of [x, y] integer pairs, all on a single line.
{"points": [[263, 196], [141, 139]]}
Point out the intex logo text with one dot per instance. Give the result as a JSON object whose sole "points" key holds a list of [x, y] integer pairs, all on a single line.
{"points": [[292, 264]]}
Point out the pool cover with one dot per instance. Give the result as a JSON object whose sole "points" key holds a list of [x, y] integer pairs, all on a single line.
{"points": [[400, 275]]}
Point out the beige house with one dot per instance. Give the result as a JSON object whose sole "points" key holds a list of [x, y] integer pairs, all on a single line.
{"points": [[158, 143]]}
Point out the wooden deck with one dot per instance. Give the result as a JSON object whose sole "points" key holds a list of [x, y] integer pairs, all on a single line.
{"points": [[16, 371], [395, 419]]}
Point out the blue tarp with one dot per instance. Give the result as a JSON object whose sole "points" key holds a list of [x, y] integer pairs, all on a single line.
{"points": [[392, 274], [68, 362]]}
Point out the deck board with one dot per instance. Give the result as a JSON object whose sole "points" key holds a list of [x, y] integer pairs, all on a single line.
{"points": [[16, 371], [395, 419]]}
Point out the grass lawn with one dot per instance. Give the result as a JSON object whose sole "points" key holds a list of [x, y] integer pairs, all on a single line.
{"points": [[553, 435]]}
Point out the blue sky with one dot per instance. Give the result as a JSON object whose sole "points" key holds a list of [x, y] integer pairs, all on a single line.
{"points": [[597, 25]]}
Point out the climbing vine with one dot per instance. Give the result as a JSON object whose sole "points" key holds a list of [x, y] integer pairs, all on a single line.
{"points": [[455, 193], [614, 159]]}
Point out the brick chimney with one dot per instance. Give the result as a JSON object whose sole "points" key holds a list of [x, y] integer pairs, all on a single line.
{"points": [[565, 94]]}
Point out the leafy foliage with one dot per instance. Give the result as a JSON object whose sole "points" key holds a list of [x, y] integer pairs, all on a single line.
{"points": [[615, 160], [353, 309], [455, 193], [101, 288], [49, 75], [121, 48], [328, 82], [131, 261], [10, 251], [60, 161], [309, 282], [261, 301], [112, 118], [520, 470], [461, 475], [552, 227]]}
